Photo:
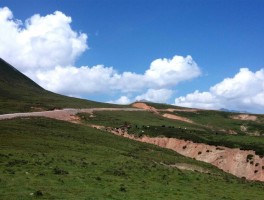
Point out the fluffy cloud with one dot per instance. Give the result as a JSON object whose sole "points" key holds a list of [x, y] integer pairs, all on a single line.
{"points": [[40, 42], [159, 95], [74, 81], [198, 99], [169, 72], [45, 48], [87, 80], [153, 95], [122, 100], [244, 91]]}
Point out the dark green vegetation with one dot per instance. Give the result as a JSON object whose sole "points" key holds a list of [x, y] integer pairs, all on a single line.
{"points": [[20, 94], [49, 159], [154, 125]]}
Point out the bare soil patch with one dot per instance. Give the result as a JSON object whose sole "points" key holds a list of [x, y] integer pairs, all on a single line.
{"points": [[190, 167], [245, 117], [171, 116]]}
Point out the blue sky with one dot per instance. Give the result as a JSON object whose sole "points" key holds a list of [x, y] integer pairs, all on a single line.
{"points": [[221, 37]]}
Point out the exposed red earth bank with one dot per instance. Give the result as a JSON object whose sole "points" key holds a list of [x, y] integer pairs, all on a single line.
{"points": [[234, 161]]}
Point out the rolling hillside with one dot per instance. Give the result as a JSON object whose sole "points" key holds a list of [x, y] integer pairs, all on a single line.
{"points": [[50, 159], [103, 154], [18, 93]]}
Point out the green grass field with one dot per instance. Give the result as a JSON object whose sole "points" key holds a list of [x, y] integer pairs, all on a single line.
{"points": [[49, 159]]}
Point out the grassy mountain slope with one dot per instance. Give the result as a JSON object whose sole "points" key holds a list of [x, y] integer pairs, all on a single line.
{"points": [[20, 94], [51, 159]]}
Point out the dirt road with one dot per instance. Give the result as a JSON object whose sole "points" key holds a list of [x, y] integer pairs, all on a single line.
{"points": [[67, 114]]}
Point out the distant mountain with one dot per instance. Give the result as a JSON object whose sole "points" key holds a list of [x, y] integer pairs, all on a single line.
{"points": [[144, 101], [18, 93], [233, 111]]}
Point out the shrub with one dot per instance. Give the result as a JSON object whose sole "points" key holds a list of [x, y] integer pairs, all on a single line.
{"points": [[16, 162], [38, 193], [122, 188], [249, 157], [59, 171]]}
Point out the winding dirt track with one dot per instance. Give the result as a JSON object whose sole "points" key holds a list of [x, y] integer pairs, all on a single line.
{"points": [[68, 114]]}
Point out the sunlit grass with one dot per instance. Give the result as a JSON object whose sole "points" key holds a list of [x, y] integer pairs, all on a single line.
{"points": [[57, 160]]}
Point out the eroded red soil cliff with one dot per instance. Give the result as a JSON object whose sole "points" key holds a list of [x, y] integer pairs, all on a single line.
{"points": [[234, 161]]}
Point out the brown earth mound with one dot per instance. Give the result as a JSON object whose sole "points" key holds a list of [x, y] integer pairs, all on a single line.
{"points": [[144, 106]]}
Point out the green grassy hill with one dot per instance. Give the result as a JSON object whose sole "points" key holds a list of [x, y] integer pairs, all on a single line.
{"points": [[50, 159], [18, 93]]}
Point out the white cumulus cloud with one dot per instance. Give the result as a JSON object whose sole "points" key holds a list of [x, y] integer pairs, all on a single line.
{"points": [[122, 100], [39, 42], [158, 95], [244, 91], [86, 80], [169, 72], [45, 48], [153, 95], [198, 100]]}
